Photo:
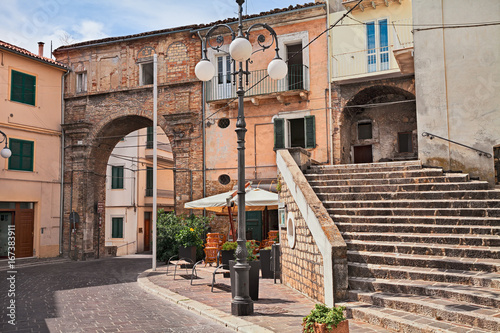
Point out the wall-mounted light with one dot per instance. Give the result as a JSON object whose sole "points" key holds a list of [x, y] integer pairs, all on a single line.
{"points": [[6, 152]]}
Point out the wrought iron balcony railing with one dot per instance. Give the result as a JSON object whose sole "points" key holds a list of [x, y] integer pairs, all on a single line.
{"points": [[222, 86]]}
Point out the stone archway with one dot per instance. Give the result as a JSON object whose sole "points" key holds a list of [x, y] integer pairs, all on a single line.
{"points": [[101, 121], [376, 122]]}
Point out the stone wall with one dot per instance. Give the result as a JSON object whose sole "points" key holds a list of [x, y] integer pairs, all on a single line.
{"points": [[301, 267], [314, 254]]}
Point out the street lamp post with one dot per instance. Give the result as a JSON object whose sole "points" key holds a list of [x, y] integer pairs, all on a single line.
{"points": [[240, 50], [5, 153]]}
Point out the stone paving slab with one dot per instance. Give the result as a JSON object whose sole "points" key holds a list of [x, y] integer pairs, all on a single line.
{"points": [[279, 308]]}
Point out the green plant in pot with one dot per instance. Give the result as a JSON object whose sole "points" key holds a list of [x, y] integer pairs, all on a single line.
{"points": [[188, 240], [325, 319], [227, 253]]}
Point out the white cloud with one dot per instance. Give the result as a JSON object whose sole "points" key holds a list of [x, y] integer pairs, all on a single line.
{"points": [[89, 30]]}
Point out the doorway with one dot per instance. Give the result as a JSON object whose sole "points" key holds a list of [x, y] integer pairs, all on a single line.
{"points": [[147, 231], [254, 225], [363, 154], [5, 221], [295, 67]]}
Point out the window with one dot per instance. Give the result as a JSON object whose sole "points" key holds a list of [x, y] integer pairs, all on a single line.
{"points": [[224, 87], [117, 177], [365, 131], [296, 132], [117, 227], [146, 73], [149, 138], [81, 82], [22, 88], [149, 181], [377, 45], [405, 142], [295, 67], [22, 155]]}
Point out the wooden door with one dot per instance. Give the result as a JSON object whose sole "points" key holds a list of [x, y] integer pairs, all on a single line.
{"points": [[363, 154], [25, 222], [147, 235], [254, 225]]}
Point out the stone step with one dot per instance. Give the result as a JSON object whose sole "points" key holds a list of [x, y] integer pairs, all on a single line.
{"points": [[364, 168], [452, 251], [416, 228], [418, 220], [417, 173], [411, 195], [469, 186], [478, 278], [482, 296], [455, 204], [474, 212], [447, 311], [414, 260], [401, 321], [470, 240], [388, 181]]}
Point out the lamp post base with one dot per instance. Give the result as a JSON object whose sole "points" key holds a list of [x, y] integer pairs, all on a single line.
{"points": [[243, 307]]}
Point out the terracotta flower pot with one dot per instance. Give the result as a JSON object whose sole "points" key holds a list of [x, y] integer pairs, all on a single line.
{"points": [[342, 327]]}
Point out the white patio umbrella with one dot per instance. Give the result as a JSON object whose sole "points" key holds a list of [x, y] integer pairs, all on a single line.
{"points": [[255, 199]]}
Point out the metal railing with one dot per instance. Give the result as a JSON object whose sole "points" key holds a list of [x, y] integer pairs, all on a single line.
{"points": [[222, 86], [480, 152], [364, 61], [160, 193]]}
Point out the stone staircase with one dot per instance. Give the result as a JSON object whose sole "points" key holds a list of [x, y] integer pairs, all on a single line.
{"points": [[423, 246]]}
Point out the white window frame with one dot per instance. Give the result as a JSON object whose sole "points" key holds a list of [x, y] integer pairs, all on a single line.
{"points": [[81, 82], [141, 71]]}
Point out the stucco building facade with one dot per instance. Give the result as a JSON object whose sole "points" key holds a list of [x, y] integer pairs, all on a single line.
{"points": [[30, 180]]}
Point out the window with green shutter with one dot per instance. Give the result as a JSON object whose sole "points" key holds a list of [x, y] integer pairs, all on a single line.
{"points": [[300, 132], [149, 181], [149, 138], [22, 88], [117, 227], [117, 177], [22, 155], [310, 130], [279, 133]]}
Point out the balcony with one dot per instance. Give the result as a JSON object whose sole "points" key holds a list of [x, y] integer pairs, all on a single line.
{"points": [[260, 85], [367, 4], [375, 63]]}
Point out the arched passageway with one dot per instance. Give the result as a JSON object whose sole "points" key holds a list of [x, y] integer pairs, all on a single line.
{"points": [[379, 125]]}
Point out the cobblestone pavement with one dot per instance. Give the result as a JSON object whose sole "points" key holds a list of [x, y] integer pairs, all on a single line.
{"points": [[279, 308], [93, 296]]}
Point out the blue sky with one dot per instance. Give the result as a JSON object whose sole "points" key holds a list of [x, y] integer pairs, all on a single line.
{"points": [[26, 22]]}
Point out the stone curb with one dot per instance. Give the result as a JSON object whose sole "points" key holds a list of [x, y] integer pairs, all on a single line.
{"points": [[223, 318]]}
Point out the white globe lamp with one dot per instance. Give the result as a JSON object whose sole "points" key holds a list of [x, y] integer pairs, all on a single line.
{"points": [[277, 69], [6, 152], [240, 49], [204, 70]]}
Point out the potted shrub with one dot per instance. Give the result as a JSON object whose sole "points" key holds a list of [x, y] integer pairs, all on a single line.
{"points": [[227, 253], [188, 240], [265, 262], [253, 284], [324, 319]]}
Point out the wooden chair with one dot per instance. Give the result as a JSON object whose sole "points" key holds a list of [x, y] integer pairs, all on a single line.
{"points": [[211, 254]]}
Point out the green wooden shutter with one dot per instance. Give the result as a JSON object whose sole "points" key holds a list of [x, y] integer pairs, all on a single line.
{"points": [[279, 133], [22, 155], [149, 181], [117, 227], [149, 138], [116, 177], [310, 129], [23, 88]]}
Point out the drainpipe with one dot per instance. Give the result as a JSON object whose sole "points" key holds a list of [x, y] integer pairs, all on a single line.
{"points": [[330, 118], [61, 195]]}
